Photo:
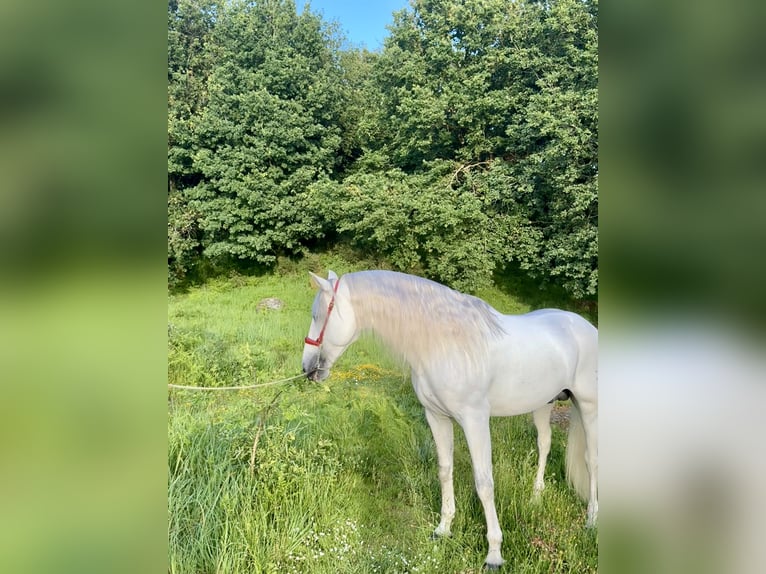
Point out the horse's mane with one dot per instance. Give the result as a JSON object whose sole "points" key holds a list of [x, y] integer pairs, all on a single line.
{"points": [[422, 321]]}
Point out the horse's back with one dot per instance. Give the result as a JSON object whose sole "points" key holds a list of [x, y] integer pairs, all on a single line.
{"points": [[568, 327], [565, 325], [542, 353], [556, 315]]}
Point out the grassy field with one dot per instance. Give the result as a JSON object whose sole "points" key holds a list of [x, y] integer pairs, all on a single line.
{"points": [[340, 476]]}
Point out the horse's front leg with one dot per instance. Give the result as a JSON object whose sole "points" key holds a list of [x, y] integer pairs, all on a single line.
{"points": [[476, 429], [442, 429]]}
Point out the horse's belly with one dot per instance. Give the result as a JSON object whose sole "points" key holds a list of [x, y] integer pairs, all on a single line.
{"points": [[510, 405], [533, 364], [518, 389]]}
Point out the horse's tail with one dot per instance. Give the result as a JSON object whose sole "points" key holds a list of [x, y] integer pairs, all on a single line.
{"points": [[576, 468]]}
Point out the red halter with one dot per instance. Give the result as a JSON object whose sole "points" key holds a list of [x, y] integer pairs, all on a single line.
{"points": [[318, 341]]}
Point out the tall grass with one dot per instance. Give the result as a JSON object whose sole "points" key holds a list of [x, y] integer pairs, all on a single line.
{"points": [[335, 477]]}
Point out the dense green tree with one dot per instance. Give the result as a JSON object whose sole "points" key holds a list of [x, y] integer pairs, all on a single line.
{"points": [[508, 93], [469, 142], [190, 61], [553, 179], [415, 221], [269, 129], [357, 122], [264, 124], [443, 83]]}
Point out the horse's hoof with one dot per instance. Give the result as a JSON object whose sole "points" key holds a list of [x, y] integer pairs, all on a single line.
{"points": [[493, 561]]}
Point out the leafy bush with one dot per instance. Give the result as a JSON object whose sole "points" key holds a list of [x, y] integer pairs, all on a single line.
{"points": [[417, 222], [470, 142], [183, 240], [262, 127], [508, 95]]}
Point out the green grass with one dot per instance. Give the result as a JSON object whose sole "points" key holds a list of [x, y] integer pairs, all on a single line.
{"points": [[343, 474]]}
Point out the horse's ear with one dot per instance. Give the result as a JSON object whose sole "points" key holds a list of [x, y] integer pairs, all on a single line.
{"points": [[319, 282], [331, 275]]}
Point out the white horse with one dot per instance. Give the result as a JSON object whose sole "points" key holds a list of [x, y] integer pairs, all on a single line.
{"points": [[469, 362]]}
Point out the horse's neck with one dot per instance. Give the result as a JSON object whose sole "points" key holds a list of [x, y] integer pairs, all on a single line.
{"points": [[423, 325], [378, 313], [381, 314]]}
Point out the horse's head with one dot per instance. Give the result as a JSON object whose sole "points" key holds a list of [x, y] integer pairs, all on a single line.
{"points": [[333, 327]]}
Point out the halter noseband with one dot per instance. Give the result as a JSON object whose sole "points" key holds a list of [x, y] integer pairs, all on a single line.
{"points": [[318, 341]]}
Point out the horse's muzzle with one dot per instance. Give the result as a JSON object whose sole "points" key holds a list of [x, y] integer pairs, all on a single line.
{"points": [[317, 375]]}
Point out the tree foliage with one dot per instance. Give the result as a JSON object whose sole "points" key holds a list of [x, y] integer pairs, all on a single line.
{"points": [[508, 93], [255, 102], [468, 142], [416, 221]]}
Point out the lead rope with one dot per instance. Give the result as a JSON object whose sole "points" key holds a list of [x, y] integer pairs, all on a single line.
{"points": [[279, 382]]}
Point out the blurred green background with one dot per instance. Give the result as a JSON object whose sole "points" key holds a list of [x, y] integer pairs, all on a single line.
{"points": [[82, 289]]}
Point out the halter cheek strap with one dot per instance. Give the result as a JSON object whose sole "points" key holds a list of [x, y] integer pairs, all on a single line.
{"points": [[318, 341]]}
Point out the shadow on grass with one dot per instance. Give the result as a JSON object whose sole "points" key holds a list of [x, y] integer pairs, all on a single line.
{"points": [[236, 270], [539, 294]]}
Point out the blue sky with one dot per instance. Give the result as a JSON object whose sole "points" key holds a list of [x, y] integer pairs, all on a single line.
{"points": [[362, 21]]}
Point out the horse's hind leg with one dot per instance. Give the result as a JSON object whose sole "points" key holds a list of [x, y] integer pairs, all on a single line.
{"points": [[589, 414], [542, 418], [442, 429], [582, 445], [585, 416]]}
